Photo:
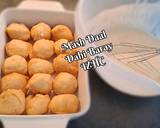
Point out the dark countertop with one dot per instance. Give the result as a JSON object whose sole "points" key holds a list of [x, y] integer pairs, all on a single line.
{"points": [[112, 109]]}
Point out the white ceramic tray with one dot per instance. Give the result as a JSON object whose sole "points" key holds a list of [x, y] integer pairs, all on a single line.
{"points": [[29, 13]]}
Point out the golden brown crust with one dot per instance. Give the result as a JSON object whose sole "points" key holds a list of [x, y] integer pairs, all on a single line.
{"points": [[61, 32], [37, 65], [65, 83], [39, 86], [14, 81], [38, 104], [40, 83], [41, 31], [18, 31], [18, 47], [66, 103], [59, 50], [12, 102], [42, 49], [62, 65], [16, 64]]}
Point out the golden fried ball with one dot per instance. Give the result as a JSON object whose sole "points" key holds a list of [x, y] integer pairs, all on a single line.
{"points": [[40, 83], [64, 83], [37, 105], [41, 31], [62, 65], [12, 102], [18, 31], [57, 46], [65, 103], [18, 47], [37, 65], [42, 49], [14, 81], [61, 32], [59, 50], [15, 63]]}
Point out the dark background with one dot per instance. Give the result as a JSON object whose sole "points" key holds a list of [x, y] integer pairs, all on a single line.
{"points": [[110, 108]]}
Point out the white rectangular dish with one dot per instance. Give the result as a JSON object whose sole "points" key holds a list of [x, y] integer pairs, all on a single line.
{"points": [[52, 17]]}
